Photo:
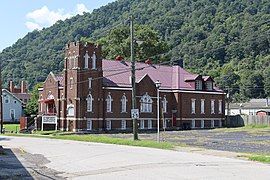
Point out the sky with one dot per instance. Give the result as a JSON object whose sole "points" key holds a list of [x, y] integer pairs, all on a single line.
{"points": [[18, 17]]}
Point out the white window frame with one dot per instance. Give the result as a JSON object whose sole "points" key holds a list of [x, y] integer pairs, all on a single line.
{"points": [[202, 123], [123, 124], [212, 106], [70, 106], [198, 84], [209, 85], [7, 98], [220, 106], [89, 124], [13, 113], [109, 101], [150, 125], [89, 103], [71, 83], [141, 124], [193, 106], [146, 103], [90, 83], [202, 106], [108, 124], [164, 104], [124, 104], [94, 61], [86, 60], [193, 123], [212, 123]]}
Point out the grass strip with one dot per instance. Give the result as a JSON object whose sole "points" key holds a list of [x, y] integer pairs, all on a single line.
{"points": [[99, 139], [260, 158]]}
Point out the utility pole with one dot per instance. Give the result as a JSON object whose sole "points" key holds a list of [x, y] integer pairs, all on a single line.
{"points": [[135, 124]]}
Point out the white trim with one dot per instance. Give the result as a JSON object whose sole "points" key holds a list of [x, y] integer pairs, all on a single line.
{"points": [[178, 119], [169, 91], [118, 88], [198, 92]]}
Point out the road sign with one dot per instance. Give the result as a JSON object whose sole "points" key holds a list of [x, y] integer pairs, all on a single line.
{"points": [[134, 113]]}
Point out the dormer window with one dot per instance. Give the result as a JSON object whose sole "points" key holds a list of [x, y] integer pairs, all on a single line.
{"points": [[198, 85], [209, 85]]}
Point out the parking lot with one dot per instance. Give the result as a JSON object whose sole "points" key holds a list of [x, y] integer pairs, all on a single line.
{"points": [[244, 140]]}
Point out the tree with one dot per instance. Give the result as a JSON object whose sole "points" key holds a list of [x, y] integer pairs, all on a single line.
{"points": [[32, 105], [252, 85], [117, 42], [267, 81]]}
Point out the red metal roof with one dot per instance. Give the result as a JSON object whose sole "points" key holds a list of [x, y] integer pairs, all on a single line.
{"points": [[171, 77]]}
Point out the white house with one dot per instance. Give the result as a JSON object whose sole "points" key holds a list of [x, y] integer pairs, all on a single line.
{"points": [[249, 108], [12, 107]]}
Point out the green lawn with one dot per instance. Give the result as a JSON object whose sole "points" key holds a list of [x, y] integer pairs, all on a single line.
{"points": [[12, 127]]}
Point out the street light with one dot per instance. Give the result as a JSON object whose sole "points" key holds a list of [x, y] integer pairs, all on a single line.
{"points": [[158, 84]]}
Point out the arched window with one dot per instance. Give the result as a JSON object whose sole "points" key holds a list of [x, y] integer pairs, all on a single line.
{"points": [[109, 103], [124, 103], [164, 104], [70, 110], [146, 103], [50, 96], [94, 59], [86, 57], [89, 101]]}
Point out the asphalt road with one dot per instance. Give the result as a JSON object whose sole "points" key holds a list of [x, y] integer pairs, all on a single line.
{"points": [[55, 159]]}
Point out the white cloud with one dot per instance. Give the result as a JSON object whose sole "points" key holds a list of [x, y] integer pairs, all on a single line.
{"points": [[81, 8], [32, 26], [44, 17]]}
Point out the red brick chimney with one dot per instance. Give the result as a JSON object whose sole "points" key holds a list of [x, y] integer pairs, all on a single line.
{"points": [[11, 86], [23, 87]]}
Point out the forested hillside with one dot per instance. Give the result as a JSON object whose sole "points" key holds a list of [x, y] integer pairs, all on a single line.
{"points": [[227, 39]]}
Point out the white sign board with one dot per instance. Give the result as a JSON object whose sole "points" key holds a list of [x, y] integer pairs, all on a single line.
{"points": [[134, 113], [49, 120]]}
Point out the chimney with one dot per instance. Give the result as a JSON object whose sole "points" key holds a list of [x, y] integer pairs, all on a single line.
{"points": [[11, 86], [23, 87], [179, 62]]}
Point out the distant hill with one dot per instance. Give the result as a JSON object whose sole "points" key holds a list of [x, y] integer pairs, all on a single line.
{"points": [[227, 39]]}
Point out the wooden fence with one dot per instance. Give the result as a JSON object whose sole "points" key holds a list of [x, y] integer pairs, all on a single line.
{"points": [[243, 120]]}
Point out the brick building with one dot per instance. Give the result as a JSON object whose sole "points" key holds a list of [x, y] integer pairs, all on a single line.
{"points": [[95, 94]]}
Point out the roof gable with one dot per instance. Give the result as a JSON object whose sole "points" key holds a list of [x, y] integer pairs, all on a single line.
{"points": [[12, 95]]}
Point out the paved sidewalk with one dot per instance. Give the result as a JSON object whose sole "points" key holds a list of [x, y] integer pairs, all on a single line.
{"points": [[82, 160]]}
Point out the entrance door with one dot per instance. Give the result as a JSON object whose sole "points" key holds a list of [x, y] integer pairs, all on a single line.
{"points": [[174, 119]]}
